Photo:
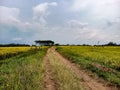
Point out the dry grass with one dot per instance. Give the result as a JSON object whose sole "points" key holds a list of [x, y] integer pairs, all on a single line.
{"points": [[66, 78]]}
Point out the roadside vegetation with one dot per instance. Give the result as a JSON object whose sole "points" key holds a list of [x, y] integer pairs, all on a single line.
{"points": [[23, 71], [103, 61]]}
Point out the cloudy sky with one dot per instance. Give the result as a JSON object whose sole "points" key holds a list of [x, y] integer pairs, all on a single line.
{"points": [[64, 21]]}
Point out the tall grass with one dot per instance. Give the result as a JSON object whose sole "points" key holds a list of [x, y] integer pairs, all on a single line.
{"points": [[23, 72]]}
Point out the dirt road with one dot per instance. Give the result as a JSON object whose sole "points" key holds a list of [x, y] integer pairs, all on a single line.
{"points": [[50, 83], [88, 82]]}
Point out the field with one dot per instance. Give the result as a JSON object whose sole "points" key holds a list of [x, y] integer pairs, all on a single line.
{"points": [[6, 52], [104, 61], [60, 68], [23, 71]]}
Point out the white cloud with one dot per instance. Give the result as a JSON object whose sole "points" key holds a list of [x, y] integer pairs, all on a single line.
{"points": [[103, 17], [40, 11], [97, 9], [77, 32], [9, 15], [17, 39], [79, 5], [76, 35], [73, 31], [91, 34], [42, 7], [76, 24]]}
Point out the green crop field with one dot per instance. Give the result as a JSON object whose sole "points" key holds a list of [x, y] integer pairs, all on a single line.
{"points": [[103, 61], [24, 70]]}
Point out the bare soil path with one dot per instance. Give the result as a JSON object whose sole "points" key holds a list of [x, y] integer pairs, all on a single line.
{"points": [[50, 83], [88, 82]]}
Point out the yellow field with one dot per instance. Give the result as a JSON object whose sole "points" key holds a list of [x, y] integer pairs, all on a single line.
{"points": [[106, 55], [7, 51]]}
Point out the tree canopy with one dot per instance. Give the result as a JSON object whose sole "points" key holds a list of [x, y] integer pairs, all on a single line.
{"points": [[44, 42]]}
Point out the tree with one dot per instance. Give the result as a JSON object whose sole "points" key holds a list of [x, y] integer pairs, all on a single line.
{"points": [[111, 44], [44, 42]]}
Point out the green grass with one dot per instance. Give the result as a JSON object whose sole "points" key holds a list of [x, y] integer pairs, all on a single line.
{"points": [[23, 72], [65, 77], [85, 56]]}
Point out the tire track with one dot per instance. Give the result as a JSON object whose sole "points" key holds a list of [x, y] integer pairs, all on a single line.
{"points": [[50, 83]]}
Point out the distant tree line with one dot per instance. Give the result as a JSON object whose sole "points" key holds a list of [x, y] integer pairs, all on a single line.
{"points": [[14, 45], [108, 44], [112, 44], [51, 43]]}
